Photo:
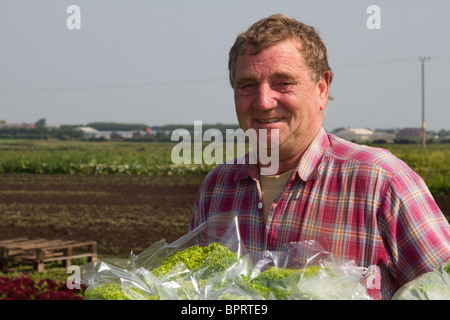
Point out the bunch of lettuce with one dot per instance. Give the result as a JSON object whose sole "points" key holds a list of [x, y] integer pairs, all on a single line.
{"points": [[212, 263], [177, 277], [433, 285], [212, 258], [216, 272]]}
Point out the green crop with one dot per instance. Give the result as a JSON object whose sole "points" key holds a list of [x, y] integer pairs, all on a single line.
{"points": [[143, 158], [433, 285], [114, 291], [447, 268], [279, 282], [205, 261], [206, 265], [213, 258]]}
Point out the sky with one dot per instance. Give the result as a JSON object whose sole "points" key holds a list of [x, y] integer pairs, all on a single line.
{"points": [[165, 62]]}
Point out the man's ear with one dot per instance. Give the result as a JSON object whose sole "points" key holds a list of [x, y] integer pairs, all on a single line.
{"points": [[323, 87]]}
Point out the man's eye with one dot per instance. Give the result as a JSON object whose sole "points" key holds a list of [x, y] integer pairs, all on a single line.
{"points": [[282, 85], [247, 88]]}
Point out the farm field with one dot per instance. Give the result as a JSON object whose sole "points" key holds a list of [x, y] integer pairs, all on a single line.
{"points": [[122, 213], [115, 157], [126, 195]]}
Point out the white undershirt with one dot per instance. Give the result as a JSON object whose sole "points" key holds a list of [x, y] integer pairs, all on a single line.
{"points": [[271, 187]]}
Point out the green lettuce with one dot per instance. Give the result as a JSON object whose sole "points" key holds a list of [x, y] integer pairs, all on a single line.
{"points": [[433, 285]]}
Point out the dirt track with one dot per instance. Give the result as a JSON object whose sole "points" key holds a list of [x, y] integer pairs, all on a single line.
{"points": [[122, 213]]}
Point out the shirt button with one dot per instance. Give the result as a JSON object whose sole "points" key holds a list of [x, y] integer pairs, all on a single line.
{"points": [[260, 205]]}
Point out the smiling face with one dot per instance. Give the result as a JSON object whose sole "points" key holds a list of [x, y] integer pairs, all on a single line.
{"points": [[274, 90]]}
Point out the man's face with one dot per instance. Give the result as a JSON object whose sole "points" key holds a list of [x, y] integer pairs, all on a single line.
{"points": [[274, 90]]}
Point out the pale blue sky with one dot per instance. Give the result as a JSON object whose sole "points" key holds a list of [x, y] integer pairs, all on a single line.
{"points": [[160, 62]]}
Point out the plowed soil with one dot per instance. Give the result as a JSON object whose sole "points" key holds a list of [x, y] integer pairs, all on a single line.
{"points": [[122, 213]]}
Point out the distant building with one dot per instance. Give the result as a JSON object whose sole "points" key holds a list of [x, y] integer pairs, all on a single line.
{"points": [[89, 132], [413, 134], [17, 125], [355, 134], [383, 137], [362, 135], [94, 133]]}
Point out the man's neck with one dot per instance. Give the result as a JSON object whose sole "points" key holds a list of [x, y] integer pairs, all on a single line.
{"points": [[290, 158]]}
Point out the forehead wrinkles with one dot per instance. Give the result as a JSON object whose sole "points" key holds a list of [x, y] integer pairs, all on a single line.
{"points": [[258, 73], [268, 64]]}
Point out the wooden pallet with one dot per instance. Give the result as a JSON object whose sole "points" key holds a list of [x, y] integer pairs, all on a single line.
{"points": [[38, 252]]}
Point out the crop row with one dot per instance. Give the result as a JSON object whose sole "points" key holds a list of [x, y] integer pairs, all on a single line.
{"points": [[75, 157], [93, 167], [26, 288], [55, 157]]}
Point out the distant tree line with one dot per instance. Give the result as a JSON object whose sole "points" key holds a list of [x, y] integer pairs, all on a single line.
{"points": [[39, 130], [62, 132], [190, 127], [115, 126]]}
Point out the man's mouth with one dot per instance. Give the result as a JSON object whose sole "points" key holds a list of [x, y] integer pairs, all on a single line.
{"points": [[272, 120]]}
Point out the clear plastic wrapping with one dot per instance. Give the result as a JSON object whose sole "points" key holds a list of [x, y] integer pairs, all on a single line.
{"points": [[212, 263], [433, 285]]}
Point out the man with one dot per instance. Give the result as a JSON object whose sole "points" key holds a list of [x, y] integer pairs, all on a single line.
{"points": [[359, 202]]}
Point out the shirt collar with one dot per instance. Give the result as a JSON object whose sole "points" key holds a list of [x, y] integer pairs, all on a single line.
{"points": [[307, 169], [247, 170]]}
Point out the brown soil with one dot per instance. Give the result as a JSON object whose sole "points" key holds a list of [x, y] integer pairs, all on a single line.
{"points": [[122, 213], [444, 204]]}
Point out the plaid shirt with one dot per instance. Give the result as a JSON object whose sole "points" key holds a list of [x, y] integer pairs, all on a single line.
{"points": [[360, 203]]}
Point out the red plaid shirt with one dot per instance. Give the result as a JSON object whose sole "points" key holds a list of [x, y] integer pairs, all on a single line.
{"points": [[360, 203]]}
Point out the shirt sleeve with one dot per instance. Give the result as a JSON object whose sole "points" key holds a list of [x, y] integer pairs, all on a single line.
{"points": [[415, 231]]}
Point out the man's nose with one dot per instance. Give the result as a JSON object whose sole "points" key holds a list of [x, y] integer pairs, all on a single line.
{"points": [[265, 97]]}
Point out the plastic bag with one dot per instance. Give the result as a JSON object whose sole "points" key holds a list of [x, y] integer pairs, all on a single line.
{"points": [[212, 263], [151, 275], [433, 285], [306, 271]]}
